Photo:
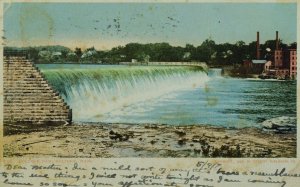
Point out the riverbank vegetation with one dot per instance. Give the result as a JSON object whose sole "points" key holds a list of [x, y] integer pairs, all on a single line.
{"points": [[209, 52]]}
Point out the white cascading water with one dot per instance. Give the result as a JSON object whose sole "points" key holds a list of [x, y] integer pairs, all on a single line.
{"points": [[215, 72], [91, 93]]}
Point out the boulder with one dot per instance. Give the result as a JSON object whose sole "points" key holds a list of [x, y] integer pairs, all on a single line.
{"points": [[281, 124]]}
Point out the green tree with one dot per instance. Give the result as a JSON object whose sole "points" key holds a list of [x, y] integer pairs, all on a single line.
{"points": [[206, 50], [293, 45], [78, 52]]}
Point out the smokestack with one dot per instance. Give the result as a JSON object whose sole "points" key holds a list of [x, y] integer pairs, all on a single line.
{"points": [[257, 46], [277, 42]]}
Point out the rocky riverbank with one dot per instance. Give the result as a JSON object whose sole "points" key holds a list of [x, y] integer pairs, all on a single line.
{"points": [[125, 140]]}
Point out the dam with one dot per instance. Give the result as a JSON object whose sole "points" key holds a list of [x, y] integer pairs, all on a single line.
{"points": [[172, 95], [28, 98], [93, 91], [156, 94]]}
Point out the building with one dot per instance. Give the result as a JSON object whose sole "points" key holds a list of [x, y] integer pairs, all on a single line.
{"points": [[134, 61], [247, 64], [278, 58], [278, 63], [258, 66], [282, 73], [293, 63], [283, 65], [268, 66]]}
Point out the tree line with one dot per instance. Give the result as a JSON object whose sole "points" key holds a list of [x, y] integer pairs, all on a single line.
{"points": [[208, 51]]}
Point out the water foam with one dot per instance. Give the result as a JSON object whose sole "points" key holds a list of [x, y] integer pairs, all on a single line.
{"points": [[91, 93]]}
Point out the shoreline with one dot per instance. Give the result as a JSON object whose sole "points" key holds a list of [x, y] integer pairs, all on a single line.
{"points": [[93, 140]]}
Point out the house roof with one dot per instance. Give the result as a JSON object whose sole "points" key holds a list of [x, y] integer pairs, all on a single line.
{"points": [[259, 61]]}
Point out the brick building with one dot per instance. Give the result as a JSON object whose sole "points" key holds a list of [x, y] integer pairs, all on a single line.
{"points": [[293, 63], [285, 63], [278, 58], [277, 63]]}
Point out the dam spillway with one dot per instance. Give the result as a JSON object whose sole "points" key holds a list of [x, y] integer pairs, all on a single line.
{"points": [[93, 91]]}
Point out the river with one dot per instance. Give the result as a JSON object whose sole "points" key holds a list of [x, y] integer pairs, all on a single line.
{"points": [[169, 95]]}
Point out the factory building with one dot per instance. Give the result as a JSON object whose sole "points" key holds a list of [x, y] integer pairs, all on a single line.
{"points": [[293, 63], [280, 63]]}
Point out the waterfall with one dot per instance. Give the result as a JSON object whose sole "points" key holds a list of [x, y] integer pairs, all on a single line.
{"points": [[215, 72], [92, 92]]}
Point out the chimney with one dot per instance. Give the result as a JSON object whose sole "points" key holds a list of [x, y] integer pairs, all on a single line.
{"points": [[277, 41], [257, 46]]}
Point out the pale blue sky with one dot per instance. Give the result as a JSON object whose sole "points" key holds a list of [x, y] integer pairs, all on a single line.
{"points": [[105, 25]]}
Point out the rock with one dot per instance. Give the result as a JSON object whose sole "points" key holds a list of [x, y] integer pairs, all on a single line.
{"points": [[151, 126], [152, 142], [196, 138], [180, 132], [118, 136], [281, 124], [137, 134], [115, 136], [182, 141]]}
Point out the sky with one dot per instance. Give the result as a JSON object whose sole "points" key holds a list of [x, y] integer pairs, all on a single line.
{"points": [[107, 25]]}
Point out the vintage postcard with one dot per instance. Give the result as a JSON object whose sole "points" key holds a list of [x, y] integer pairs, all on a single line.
{"points": [[149, 93]]}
